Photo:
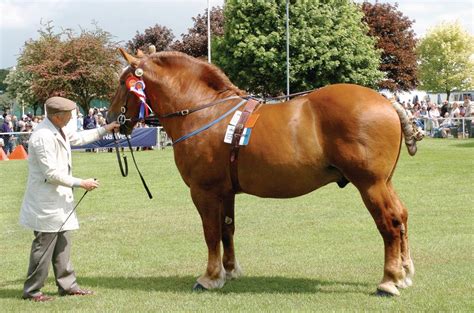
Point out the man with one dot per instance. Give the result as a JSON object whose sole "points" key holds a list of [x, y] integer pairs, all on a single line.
{"points": [[6, 128], [469, 107], [89, 122], [48, 199]]}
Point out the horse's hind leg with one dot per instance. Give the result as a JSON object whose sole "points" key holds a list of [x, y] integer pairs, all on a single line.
{"points": [[389, 219], [231, 265], [407, 261], [210, 207]]}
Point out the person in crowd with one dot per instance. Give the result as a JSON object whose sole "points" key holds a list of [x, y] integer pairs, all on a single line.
{"points": [[446, 125], [7, 139], [90, 123], [455, 112], [433, 116], [101, 119], [462, 110], [35, 121], [444, 108], [48, 199], [25, 137], [469, 113], [89, 120], [22, 123], [14, 122], [80, 121]]}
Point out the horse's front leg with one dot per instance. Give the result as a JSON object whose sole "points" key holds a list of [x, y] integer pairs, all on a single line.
{"points": [[231, 265], [210, 207]]}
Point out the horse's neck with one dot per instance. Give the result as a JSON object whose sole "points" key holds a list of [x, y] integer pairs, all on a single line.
{"points": [[173, 102]]}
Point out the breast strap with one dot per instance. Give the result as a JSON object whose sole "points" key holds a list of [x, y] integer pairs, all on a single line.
{"points": [[234, 152]]}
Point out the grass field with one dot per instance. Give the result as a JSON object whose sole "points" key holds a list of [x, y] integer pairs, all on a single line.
{"points": [[319, 252]]}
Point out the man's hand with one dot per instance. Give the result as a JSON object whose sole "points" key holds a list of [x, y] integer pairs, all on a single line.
{"points": [[90, 184], [112, 127]]}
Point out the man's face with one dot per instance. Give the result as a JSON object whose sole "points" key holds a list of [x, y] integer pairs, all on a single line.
{"points": [[63, 118]]}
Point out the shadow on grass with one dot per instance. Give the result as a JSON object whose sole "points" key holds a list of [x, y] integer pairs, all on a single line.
{"points": [[241, 285], [183, 284], [469, 144]]}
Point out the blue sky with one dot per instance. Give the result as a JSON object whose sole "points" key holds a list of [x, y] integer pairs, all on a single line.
{"points": [[20, 19]]}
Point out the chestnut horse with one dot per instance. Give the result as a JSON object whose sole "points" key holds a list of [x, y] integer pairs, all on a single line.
{"points": [[340, 133]]}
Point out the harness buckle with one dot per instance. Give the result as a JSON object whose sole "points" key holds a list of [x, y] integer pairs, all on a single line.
{"points": [[184, 112], [121, 119]]}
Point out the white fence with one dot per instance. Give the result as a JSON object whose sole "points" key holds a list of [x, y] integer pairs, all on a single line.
{"points": [[461, 127]]}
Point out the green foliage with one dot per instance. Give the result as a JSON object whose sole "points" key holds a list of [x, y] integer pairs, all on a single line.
{"points": [[328, 44], [3, 75], [20, 87], [446, 57], [316, 253]]}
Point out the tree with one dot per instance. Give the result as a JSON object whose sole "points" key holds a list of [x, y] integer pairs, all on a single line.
{"points": [[194, 42], [159, 36], [20, 88], [3, 75], [446, 59], [91, 65], [328, 45], [81, 67], [396, 39]]}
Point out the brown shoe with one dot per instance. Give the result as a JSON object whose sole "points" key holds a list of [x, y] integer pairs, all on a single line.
{"points": [[39, 298], [77, 292]]}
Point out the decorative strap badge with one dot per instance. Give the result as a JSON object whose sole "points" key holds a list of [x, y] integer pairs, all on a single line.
{"points": [[247, 128], [137, 87]]}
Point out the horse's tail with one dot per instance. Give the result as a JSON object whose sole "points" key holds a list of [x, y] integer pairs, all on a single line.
{"points": [[411, 132]]}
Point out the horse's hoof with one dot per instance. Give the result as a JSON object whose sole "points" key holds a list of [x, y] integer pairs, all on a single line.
{"points": [[387, 289], [199, 288], [382, 293]]}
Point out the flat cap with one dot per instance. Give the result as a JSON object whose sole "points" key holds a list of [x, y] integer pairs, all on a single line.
{"points": [[59, 104]]}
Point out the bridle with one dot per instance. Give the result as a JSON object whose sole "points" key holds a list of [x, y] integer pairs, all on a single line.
{"points": [[122, 119]]}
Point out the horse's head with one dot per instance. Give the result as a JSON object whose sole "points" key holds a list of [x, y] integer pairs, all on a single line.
{"points": [[130, 96]]}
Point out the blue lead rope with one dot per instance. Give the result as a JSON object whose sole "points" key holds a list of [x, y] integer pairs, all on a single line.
{"points": [[203, 128]]}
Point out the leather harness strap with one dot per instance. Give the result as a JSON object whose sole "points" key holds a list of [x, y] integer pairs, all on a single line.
{"points": [[234, 152]]}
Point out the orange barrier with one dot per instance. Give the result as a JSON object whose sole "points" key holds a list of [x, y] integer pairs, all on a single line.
{"points": [[3, 156], [19, 153]]}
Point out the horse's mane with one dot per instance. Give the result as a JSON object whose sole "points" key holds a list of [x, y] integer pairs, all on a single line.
{"points": [[207, 72]]}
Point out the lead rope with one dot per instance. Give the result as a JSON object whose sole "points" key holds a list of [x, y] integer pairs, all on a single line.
{"points": [[139, 173], [124, 172]]}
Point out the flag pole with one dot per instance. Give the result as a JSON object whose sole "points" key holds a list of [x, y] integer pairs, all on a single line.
{"points": [[209, 31], [287, 50]]}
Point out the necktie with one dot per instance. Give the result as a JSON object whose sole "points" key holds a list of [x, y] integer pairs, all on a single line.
{"points": [[62, 134]]}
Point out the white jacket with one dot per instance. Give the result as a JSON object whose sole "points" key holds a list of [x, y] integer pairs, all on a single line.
{"points": [[48, 197]]}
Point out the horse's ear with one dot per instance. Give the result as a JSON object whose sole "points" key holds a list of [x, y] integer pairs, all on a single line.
{"points": [[129, 58], [140, 53]]}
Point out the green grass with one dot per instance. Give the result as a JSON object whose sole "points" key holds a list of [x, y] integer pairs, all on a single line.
{"points": [[319, 252]]}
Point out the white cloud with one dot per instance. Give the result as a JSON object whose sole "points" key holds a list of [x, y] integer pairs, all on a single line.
{"points": [[17, 14]]}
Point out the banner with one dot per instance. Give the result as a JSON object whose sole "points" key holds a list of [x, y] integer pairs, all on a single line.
{"points": [[141, 137]]}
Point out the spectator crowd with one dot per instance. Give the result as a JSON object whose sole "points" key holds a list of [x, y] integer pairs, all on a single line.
{"points": [[443, 120], [10, 123]]}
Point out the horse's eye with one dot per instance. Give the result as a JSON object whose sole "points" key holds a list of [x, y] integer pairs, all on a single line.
{"points": [[122, 82]]}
